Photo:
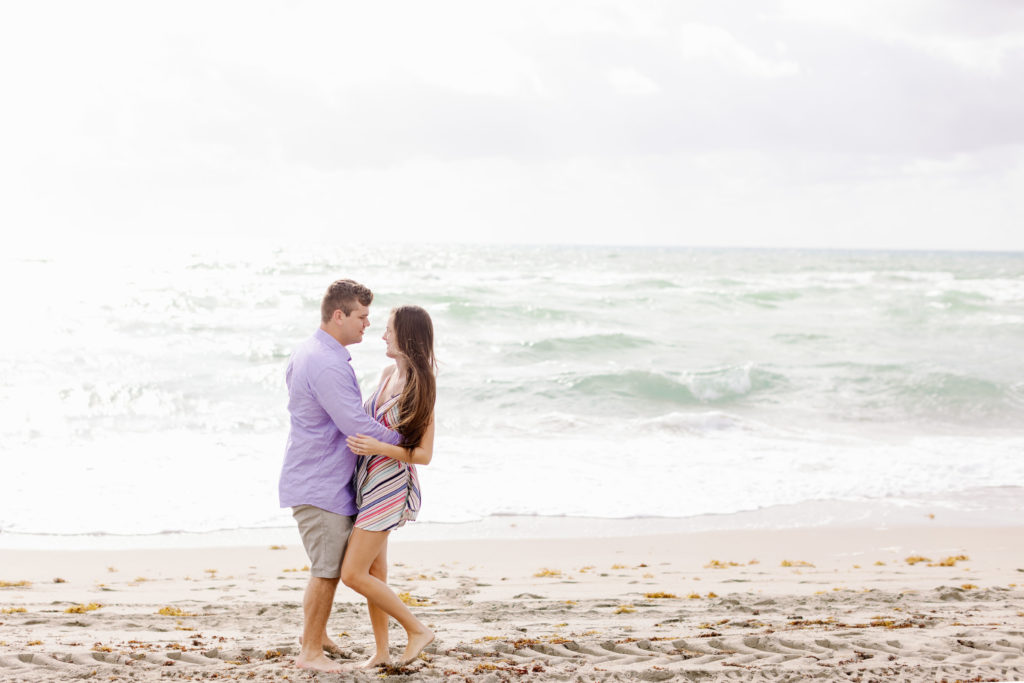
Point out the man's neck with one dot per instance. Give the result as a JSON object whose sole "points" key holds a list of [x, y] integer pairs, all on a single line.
{"points": [[334, 335]]}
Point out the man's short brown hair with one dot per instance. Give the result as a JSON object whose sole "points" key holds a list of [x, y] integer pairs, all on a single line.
{"points": [[343, 295]]}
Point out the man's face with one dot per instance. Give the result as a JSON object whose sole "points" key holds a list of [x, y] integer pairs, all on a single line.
{"points": [[351, 327]]}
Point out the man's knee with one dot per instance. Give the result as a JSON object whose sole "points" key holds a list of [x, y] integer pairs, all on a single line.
{"points": [[320, 591], [319, 583]]}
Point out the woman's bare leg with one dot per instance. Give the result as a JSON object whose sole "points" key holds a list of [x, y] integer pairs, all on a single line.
{"points": [[378, 617], [363, 548]]}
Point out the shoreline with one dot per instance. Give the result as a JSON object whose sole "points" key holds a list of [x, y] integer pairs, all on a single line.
{"points": [[983, 507], [823, 603], [835, 548]]}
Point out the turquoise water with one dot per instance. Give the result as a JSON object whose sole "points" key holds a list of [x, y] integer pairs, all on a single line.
{"points": [[607, 382]]}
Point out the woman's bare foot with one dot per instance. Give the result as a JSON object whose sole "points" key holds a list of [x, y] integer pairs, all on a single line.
{"points": [[375, 661], [417, 641], [318, 663]]}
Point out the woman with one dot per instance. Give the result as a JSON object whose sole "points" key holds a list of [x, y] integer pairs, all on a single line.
{"points": [[387, 489]]}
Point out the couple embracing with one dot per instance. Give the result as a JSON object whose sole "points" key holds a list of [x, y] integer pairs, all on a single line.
{"points": [[349, 470]]}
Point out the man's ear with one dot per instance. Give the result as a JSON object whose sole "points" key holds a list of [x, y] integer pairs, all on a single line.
{"points": [[338, 316]]}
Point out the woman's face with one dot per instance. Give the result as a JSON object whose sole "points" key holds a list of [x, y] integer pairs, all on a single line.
{"points": [[389, 338]]}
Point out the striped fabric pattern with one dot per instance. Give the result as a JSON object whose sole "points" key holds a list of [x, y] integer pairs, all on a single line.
{"points": [[387, 491]]}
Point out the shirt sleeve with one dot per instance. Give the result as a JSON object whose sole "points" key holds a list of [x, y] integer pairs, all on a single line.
{"points": [[338, 392]]}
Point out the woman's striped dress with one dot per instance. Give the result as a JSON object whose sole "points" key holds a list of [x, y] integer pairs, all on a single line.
{"points": [[387, 491]]}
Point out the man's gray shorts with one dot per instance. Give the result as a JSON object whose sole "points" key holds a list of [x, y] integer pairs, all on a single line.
{"points": [[324, 535]]}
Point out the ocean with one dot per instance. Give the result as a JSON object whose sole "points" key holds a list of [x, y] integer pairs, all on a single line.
{"points": [[145, 394]]}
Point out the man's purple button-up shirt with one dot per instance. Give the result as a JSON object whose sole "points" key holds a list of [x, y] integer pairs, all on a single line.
{"points": [[325, 406]]}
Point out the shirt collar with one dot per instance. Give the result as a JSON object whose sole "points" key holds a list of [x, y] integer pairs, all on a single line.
{"points": [[333, 344]]}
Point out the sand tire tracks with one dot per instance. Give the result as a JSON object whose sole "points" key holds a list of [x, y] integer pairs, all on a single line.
{"points": [[738, 657]]}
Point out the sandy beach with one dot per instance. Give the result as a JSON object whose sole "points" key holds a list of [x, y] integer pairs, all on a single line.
{"points": [[921, 603]]}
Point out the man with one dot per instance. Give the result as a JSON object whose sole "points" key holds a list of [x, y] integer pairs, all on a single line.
{"points": [[325, 405]]}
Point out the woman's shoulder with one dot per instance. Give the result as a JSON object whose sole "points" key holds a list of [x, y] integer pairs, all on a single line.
{"points": [[388, 371]]}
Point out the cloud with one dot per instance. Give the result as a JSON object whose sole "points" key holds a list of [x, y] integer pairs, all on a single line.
{"points": [[984, 39], [240, 116], [701, 41], [632, 82]]}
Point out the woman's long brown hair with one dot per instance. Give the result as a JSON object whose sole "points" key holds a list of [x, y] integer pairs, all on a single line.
{"points": [[414, 339]]}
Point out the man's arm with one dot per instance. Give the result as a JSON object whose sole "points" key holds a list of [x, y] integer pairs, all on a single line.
{"points": [[338, 393], [421, 455]]}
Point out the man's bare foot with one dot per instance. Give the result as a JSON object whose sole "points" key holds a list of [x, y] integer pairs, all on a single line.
{"points": [[375, 661], [417, 641], [329, 645], [319, 663]]}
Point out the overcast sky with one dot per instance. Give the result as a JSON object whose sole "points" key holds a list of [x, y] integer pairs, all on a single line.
{"points": [[793, 123]]}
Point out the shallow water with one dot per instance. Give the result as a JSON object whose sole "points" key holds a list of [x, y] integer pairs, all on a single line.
{"points": [[144, 395]]}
